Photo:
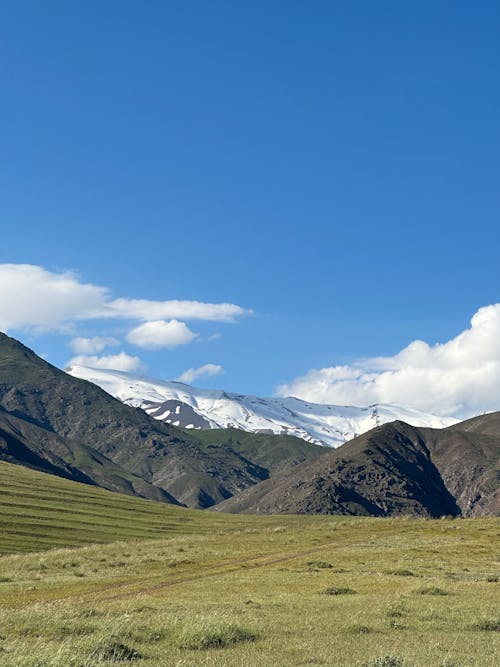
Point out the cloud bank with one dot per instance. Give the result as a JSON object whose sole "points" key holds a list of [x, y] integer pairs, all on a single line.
{"points": [[193, 374], [459, 378]]}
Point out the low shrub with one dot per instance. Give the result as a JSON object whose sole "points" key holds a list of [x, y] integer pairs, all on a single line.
{"points": [[488, 625], [360, 630], [115, 651], [395, 612], [91, 613], [320, 564], [214, 636], [386, 661], [431, 590], [333, 590]]}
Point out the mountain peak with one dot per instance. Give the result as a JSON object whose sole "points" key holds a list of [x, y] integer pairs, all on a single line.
{"points": [[191, 407]]}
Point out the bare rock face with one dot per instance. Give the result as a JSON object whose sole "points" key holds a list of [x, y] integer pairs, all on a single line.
{"points": [[468, 462]]}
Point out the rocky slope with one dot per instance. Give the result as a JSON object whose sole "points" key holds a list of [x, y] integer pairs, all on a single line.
{"points": [[393, 469]]}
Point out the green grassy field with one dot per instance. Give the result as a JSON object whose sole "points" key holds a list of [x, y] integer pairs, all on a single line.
{"points": [[39, 511], [172, 587]]}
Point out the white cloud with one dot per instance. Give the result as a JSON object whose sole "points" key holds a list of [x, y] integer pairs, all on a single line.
{"points": [[34, 298], [118, 362], [158, 334], [143, 309], [93, 345], [460, 377], [193, 374]]}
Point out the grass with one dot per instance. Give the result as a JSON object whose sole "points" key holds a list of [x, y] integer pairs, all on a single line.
{"points": [[167, 586]]}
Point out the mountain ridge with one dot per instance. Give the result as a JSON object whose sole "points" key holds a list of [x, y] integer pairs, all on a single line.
{"points": [[183, 405]]}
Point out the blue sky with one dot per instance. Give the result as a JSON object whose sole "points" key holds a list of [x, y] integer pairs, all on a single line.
{"points": [[331, 166]]}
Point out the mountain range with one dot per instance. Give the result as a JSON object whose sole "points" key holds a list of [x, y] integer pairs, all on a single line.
{"points": [[67, 426], [193, 408], [56, 423]]}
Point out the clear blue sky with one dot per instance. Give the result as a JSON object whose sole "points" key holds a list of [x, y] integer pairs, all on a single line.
{"points": [[331, 165]]}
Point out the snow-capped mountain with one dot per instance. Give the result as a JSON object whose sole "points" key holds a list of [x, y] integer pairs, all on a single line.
{"points": [[189, 407]]}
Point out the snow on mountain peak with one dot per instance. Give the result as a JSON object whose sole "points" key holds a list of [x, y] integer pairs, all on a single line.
{"points": [[190, 407]]}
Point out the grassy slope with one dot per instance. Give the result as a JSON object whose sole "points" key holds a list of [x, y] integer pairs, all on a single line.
{"points": [[276, 453], [424, 590], [41, 511]]}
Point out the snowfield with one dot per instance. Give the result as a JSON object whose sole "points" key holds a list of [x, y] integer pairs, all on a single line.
{"points": [[189, 407]]}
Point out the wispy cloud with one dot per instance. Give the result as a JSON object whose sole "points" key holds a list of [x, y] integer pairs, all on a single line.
{"points": [[460, 377], [193, 374], [82, 345], [143, 309]]}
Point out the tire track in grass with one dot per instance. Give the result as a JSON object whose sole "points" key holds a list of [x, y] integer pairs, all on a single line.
{"points": [[145, 585], [227, 568]]}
